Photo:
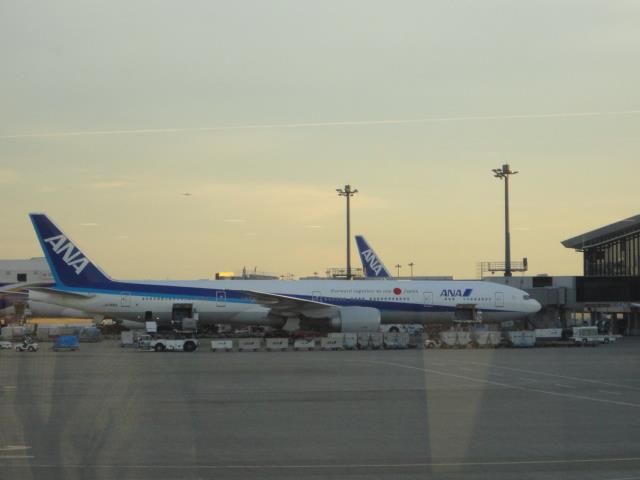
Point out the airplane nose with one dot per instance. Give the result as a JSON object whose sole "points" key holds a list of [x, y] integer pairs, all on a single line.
{"points": [[535, 305]]}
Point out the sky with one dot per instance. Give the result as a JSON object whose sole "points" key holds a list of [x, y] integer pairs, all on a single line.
{"points": [[112, 111]]}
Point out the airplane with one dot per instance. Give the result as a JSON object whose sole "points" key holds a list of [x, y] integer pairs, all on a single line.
{"points": [[371, 263], [328, 305]]}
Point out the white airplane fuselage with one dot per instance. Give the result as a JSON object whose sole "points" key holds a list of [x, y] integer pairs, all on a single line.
{"points": [[397, 301]]}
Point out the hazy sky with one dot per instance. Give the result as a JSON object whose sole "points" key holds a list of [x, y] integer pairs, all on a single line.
{"points": [[110, 111]]}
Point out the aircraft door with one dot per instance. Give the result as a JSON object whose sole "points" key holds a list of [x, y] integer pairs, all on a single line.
{"points": [[500, 299], [221, 298], [125, 299], [428, 299]]}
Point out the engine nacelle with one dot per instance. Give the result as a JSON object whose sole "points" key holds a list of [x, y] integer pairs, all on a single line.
{"points": [[356, 319]]}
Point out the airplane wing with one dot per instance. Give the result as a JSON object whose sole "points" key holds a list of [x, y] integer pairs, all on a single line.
{"points": [[17, 288], [284, 304], [55, 291]]}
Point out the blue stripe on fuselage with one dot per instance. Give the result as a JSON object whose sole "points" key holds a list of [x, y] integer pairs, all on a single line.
{"points": [[238, 297]]}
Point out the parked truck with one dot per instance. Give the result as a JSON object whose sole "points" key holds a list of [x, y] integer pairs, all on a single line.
{"points": [[586, 336]]}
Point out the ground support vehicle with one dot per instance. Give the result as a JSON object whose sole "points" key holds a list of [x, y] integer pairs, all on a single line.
{"points": [[431, 343], [27, 347], [146, 342], [6, 345], [586, 336]]}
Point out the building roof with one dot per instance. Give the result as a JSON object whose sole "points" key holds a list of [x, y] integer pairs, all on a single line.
{"points": [[604, 234]]}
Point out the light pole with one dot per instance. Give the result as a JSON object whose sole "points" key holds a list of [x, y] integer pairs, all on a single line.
{"points": [[411, 264], [348, 192], [503, 174], [398, 266]]}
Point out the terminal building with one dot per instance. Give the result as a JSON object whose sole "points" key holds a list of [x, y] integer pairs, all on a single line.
{"points": [[608, 293]]}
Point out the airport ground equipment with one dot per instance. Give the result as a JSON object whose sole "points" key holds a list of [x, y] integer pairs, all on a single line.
{"points": [[218, 345], [17, 332], [146, 342], [249, 344], [370, 340], [350, 340], [432, 343], [304, 344], [487, 339], [278, 344], [586, 336], [522, 338], [66, 342], [332, 343], [410, 328], [6, 345], [395, 341], [126, 339], [45, 334], [455, 339], [548, 334], [27, 347]]}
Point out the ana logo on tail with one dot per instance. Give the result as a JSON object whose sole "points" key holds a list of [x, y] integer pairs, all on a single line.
{"points": [[70, 254], [372, 260]]}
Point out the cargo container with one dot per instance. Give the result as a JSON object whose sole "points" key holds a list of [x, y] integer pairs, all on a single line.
{"points": [[66, 342]]}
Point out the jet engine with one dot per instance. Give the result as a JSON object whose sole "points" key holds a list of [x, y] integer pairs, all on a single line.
{"points": [[356, 319]]}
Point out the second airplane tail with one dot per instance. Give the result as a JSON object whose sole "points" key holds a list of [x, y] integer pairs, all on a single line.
{"points": [[371, 263], [69, 265]]}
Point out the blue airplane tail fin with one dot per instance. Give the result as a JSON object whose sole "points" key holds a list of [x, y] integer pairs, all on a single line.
{"points": [[371, 263], [69, 265]]}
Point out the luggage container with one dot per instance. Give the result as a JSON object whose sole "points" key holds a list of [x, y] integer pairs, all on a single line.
{"points": [[222, 345], [249, 344], [332, 343], [6, 334], [548, 333], [522, 338], [66, 342], [278, 344], [350, 340], [394, 341], [370, 340], [42, 334], [126, 339], [90, 334], [455, 339], [304, 344], [13, 333], [488, 339]]}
